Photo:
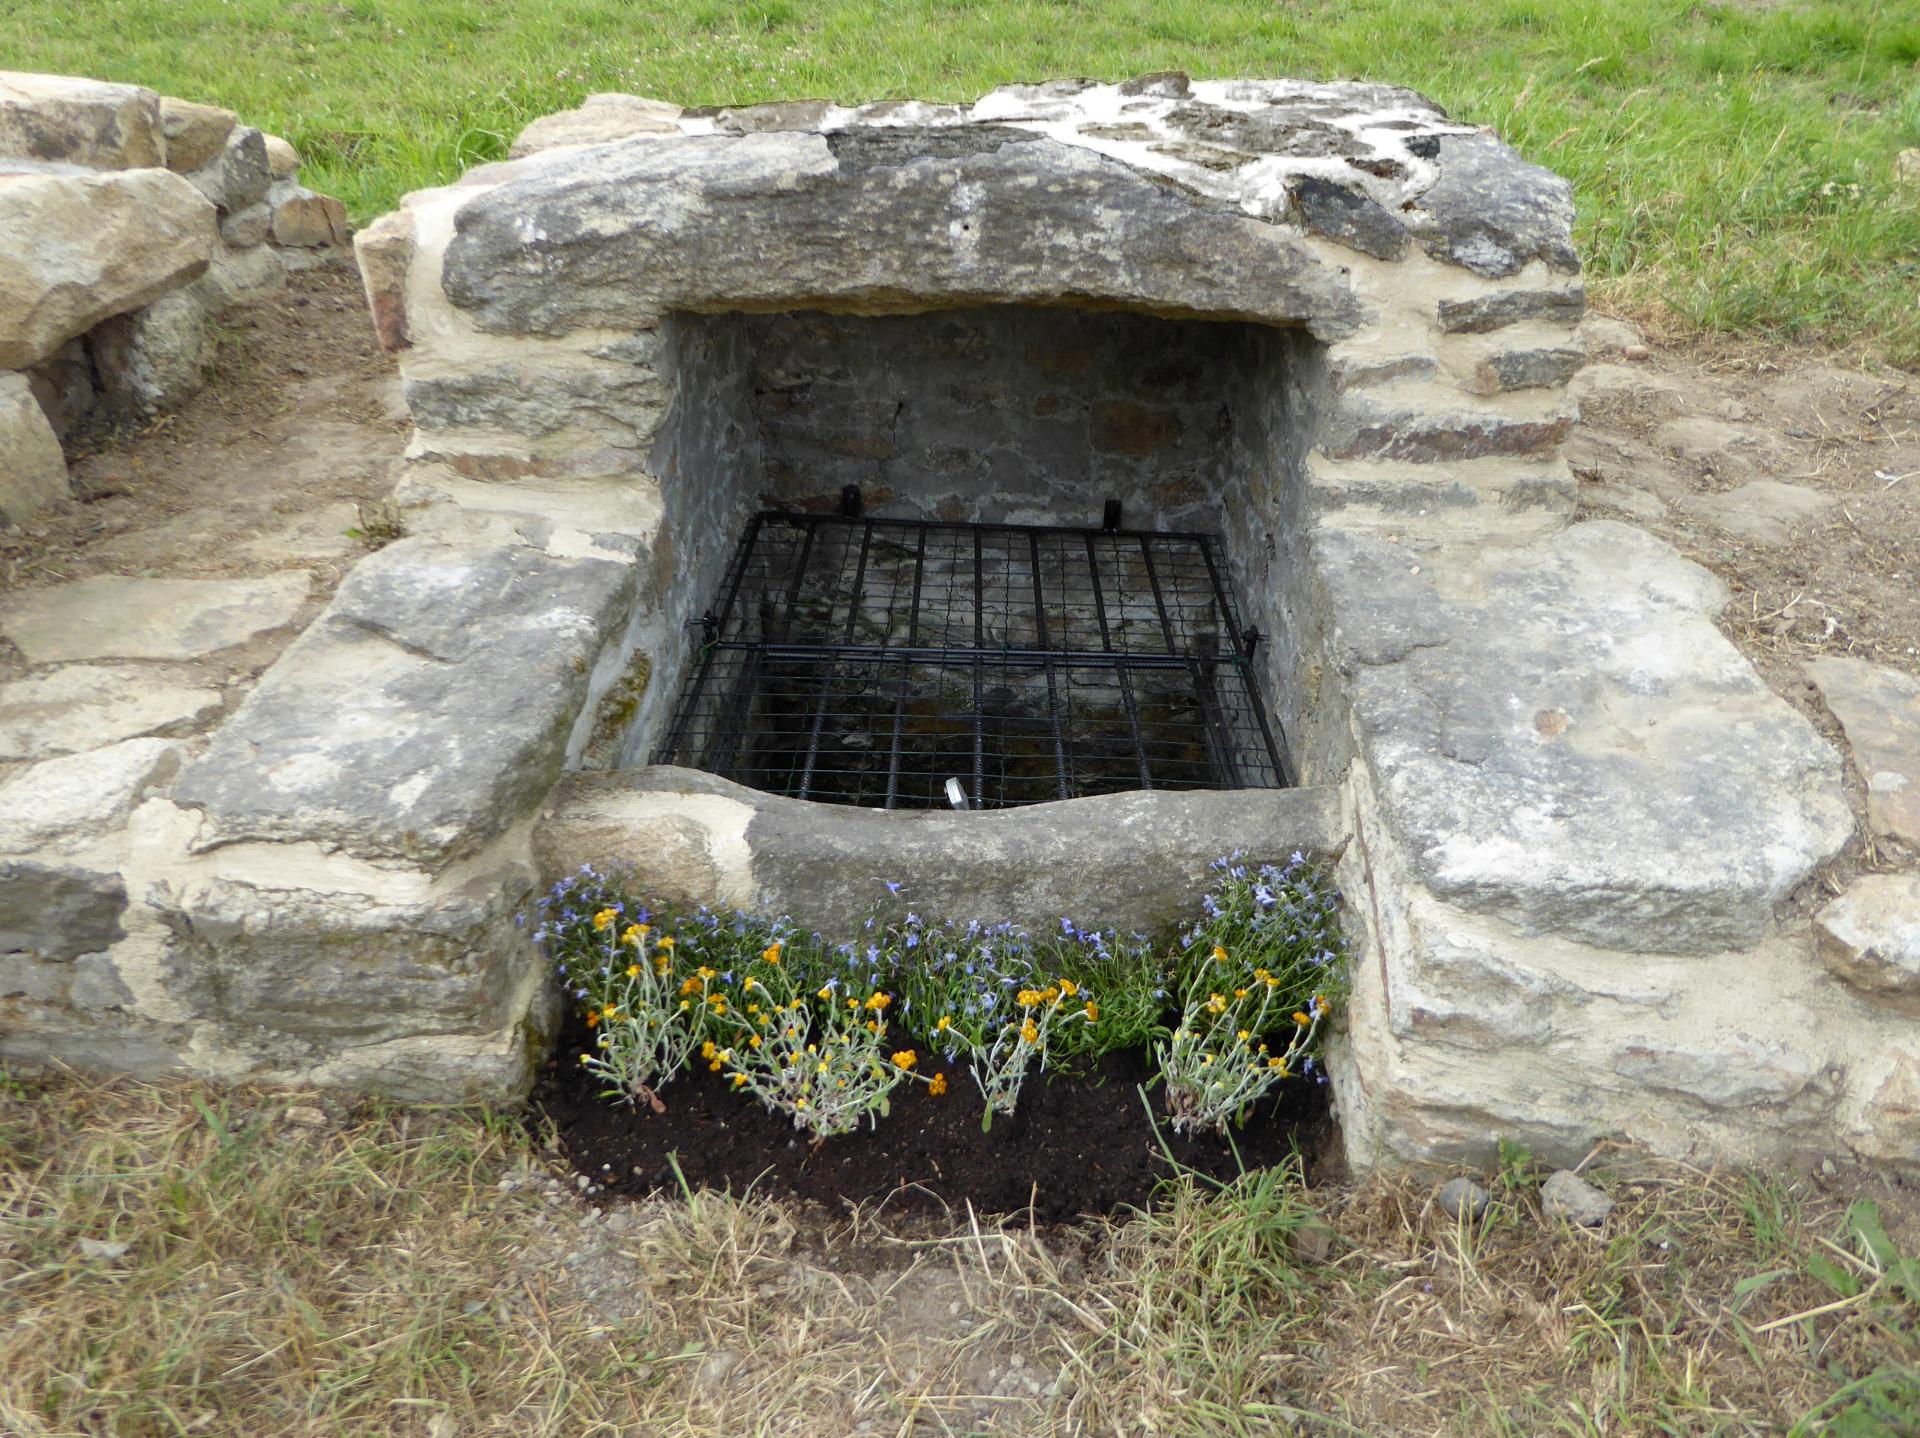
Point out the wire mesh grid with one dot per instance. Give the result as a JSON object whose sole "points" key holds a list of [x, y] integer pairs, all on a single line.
{"points": [[868, 661]]}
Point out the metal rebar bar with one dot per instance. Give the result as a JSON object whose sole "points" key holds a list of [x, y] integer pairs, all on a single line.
{"points": [[1053, 691], [1120, 670]]}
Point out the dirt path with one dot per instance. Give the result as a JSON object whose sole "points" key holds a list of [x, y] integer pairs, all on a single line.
{"points": [[266, 469]]}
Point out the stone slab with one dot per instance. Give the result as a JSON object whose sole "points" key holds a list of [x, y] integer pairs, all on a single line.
{"points": [[67, 801], [1870, 937], [239, 175], [83, 247], [69, 120], [1494, 213], [86, 706], [113, 617], [427, 708], [621, 234], [1562, 738], [33, 470], [1765, 511], [1879, 709], [1126, 861]]}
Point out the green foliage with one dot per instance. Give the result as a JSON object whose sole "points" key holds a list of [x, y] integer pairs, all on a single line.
{"points": [[1699, 137]]}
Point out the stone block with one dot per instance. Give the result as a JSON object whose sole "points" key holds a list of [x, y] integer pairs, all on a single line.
{"points": [[33, 470], [304, 220], [282, 159], [151, 359], [67, 120], [320, 969], [1383, 425], [1561, 737], [1493, 212], [53, 913], [85, 706], [111, 617], [598, 120], [428, 708], [1731, 1073], [1350, 216], [1128, 861], [1870, 938], [384, 249], [246, 228], [83, 247], [195, 133], [240, 277], [1543, 368], [1485, 313], [1879, 709], [239, 175], [65, 802]]}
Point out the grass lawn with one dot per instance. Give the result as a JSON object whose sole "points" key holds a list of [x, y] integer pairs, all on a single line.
{"points": [[1733, 161], [179, 1260]]}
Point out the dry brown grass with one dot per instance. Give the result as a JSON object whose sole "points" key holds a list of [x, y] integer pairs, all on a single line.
{"points": [[372, 1270]]}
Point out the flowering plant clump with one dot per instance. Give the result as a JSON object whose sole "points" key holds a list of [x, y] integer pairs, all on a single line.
{"points": [[826, 1032], [809, 1045], [623, 973], [1258, 976]]}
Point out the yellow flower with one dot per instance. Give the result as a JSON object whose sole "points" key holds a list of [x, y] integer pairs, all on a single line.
{"points": [[666, 941], [879, 1001], [634, 933], [1302, 1019], [1219, 954], [739, 1080], [706, 973], [771, 953], [1093, 1012], [1069, 987], [604, 919], [946, 1022], [691, 986], [633, 971], [1245, 1034], [707, 1049], [1279, 1066], [592, 1019], [1239, 993], [905, 1059], [825, 992], [938, 1086], [754, 1042], [586, 1058], [1029, 1032]]}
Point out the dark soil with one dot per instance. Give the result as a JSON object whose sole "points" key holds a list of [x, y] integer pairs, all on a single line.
{"points": [[1079, 1144]]}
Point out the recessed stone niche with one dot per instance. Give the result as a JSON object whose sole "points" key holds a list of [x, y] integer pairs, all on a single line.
{"points": [[1324, 324]]}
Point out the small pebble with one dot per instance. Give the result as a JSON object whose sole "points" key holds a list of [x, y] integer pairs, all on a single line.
{"points": [[305, 1115], [1567, 1195], [1463, 1196]]}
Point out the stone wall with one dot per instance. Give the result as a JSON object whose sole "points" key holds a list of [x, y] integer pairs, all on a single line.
{"points": [[1578, 836], [127, 220]]}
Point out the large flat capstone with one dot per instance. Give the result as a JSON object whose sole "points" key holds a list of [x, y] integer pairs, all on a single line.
{"points": [[71, 120], [1561, 737], [621, 234], [429, 706], [111, 617]]}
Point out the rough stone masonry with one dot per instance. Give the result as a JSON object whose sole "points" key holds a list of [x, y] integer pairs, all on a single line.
{"points": [[1574, 828]]}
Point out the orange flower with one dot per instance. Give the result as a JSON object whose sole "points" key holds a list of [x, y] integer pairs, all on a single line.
{"points": [[906, 1059], [938, 1086]]}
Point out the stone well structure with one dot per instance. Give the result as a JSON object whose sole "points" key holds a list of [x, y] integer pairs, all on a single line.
{"points": [[1322, 321]]}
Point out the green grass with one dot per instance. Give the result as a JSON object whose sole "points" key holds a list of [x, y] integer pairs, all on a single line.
{"points": [[1733, 161]]}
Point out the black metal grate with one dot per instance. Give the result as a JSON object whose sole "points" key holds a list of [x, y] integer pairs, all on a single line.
{"points": [[867, 661]]}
